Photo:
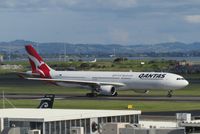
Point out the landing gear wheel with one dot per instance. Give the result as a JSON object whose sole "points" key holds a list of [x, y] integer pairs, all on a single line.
{"points": [[116, 94], [91, 94], [170, 93]]}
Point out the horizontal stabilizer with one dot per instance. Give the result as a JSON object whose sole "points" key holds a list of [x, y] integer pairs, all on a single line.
{"points": [[24, 74]]}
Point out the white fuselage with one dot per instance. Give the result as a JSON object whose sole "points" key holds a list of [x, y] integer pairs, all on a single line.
{"points": [[131, 80]]}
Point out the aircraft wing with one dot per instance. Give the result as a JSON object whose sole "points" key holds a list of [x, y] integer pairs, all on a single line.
{"points": [[89, 83]]}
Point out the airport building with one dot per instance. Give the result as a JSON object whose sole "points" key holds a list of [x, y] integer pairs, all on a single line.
{"points": [[62, 121], [192, 126]]}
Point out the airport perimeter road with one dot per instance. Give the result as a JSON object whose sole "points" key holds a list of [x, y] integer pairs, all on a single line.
{"points": [[120, 97]]}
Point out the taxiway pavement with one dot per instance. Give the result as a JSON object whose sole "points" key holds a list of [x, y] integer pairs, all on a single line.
{"points": [[120, 97]]}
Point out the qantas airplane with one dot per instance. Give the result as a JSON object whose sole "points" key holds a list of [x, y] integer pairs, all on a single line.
{"points": [[101, 82]]}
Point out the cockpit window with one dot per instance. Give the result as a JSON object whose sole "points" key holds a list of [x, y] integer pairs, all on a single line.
{"points": [[180, 79]]}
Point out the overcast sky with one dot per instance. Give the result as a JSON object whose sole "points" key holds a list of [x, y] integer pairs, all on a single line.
{"points": [[123, 22]]}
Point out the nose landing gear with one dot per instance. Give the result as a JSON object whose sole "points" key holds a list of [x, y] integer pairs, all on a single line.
{"points": [[170, 93]]}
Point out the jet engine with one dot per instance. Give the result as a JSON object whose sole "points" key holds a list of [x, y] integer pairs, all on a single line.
{"points": [[107, 90], [141, 91]]}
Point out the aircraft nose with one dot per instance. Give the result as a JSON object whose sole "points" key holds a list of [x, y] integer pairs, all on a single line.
{"points": [[182, 84], [186, 83]]}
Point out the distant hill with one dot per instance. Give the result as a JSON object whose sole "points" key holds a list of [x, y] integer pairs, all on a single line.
{"points": [[17, 46]]}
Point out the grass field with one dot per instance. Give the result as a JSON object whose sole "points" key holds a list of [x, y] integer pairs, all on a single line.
{"points": [[104, 65], [114, 105], [10, 83]]}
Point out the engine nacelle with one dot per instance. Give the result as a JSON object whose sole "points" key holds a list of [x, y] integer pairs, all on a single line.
{"points": [[107, 90], [141, 91]]}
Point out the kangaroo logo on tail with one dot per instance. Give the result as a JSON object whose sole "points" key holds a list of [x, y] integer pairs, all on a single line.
{"points": [[37, 63]]}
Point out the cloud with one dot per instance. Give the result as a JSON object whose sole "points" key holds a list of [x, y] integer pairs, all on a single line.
{"points": [[107, 21], [66, 4], [132, 7], [117, 3], [14, 5], [120, 36], [192, 18]]}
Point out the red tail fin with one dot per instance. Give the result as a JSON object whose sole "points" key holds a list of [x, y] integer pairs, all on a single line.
{"points": [[37, 63]]}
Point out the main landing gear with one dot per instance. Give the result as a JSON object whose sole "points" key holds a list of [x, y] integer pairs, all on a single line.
{"points": [[116, 94], [170, 93], [91, 94]]}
